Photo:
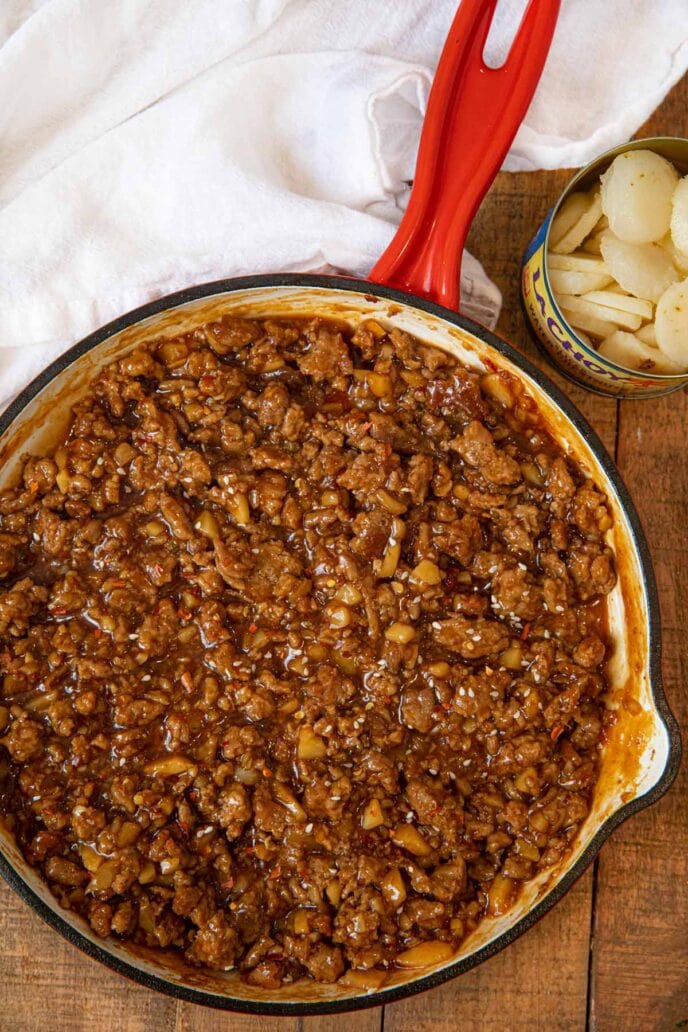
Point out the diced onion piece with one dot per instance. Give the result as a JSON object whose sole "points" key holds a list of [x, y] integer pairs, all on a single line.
{"points": [[288, 800], [571, 210], [644, 270], [310, 746], [578, 232], [637, 189], [369, 980], [679, 216], [338, 615], [401, 633], [393, 888], [237, 506], [349, 594], [168, 766], [427, 572], [410, 839], [627, 351], [511, 657], [572, 282], [333, 891], [208, 525], [671, 323], [501, 894], [621, 302], [648, 335], [390, 560], [425, 954], [373, 815], [495, 387], [576, 263]]}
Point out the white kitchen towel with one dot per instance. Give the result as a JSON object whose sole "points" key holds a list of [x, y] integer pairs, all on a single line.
{"points": [[146, 145]]}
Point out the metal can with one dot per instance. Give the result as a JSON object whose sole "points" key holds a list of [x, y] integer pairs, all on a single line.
{"points": [[551, 332]]}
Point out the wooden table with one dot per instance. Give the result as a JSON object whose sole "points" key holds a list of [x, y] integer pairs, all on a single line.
{"points": [[613, 955]]}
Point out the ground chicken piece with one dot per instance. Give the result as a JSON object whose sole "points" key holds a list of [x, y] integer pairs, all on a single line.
{"points": [[327, 355], [371, 534], [65, 872], [448, 881], [420, 469], [460, 539], [592, 571], [589, 653], [477, 448], [271, 406], [324, 962], [268, 493], [472, 639], [516, 594], [216, 945], [268, 815], [358, 919], [417, 705], [365, 474], [175, 516], [18, 606], [560, 486], [9, 549], [234, 810], [589, 511], [24, 739]]}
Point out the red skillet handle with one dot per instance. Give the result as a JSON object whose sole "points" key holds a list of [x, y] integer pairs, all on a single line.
{"points": [[473, 115]]}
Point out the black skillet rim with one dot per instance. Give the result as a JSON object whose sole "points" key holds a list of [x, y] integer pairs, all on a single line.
{"points": [[436, 978]]}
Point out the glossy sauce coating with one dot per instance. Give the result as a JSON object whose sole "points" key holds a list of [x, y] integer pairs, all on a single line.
{"points": [[302, 644]]}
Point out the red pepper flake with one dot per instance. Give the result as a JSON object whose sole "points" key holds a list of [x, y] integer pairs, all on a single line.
{"points": [[252, 628], [184, 827], [266, 772], [97, 632], [366, 426], [556, 732], [228, 884], [249, 849], [275, 873], [446, 705], [57, 610], [117, 583], [525, 632], [158, 570], [184, 614]]}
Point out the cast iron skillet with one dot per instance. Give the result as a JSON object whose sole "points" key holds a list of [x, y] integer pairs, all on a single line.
{"points": [[642, 760]]}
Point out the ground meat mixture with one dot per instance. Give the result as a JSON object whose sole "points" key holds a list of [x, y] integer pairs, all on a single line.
{"points": [[302, 639]]}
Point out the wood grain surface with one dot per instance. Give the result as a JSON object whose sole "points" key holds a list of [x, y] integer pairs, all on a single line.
{"points": [[613, 955]]}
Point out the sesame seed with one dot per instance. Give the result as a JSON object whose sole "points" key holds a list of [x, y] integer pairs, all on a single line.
{"points": [[467, 763], [308, 829]]}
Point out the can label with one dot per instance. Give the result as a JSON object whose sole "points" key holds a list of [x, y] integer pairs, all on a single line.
{"points": [[574, 356]]}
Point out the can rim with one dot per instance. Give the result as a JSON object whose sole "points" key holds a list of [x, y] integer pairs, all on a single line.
{"points": [[666, 379]]}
